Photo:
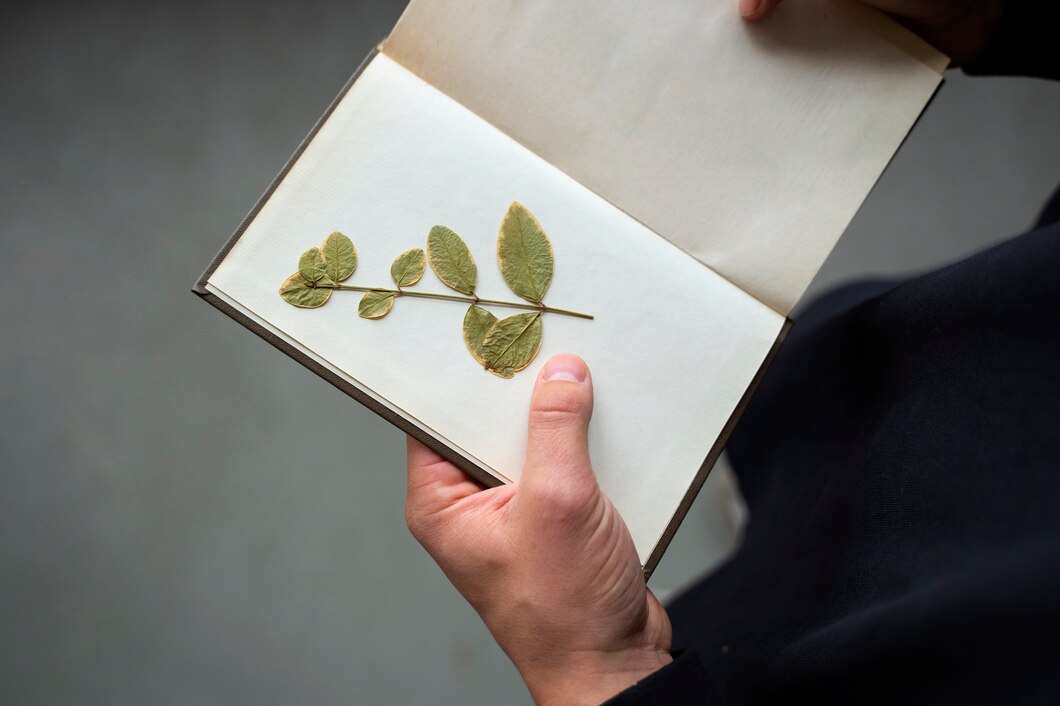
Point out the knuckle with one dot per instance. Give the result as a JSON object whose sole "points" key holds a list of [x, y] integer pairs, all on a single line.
{"points": [[558, 406], [566, 499], [416, 522], [430, 529]]}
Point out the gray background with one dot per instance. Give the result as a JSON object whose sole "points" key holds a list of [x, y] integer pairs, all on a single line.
{"points": [[188, 517]]}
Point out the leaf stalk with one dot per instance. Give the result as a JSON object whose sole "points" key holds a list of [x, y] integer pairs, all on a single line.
{"points": [[455, 298]]}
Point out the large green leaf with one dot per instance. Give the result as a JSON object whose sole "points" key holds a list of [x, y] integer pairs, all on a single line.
{"points": [[451, 260], [341, 256], [408, 267], [295, 290], [311, 265], [512, 343], [375, 305], [477, 323], [524, 254]]}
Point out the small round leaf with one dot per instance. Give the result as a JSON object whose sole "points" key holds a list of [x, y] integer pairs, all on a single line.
{"points": [[311, 265], [477, 323], [512, 343], [408, 267], [341, 256], [295, 290], [451, 260], [375, 305]]}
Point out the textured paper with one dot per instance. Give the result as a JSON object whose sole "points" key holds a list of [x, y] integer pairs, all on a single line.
{"points": [[398, 157], [748, 145]]}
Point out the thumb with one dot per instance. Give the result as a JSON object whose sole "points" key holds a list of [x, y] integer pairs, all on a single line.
{"points": [[557, 452]]}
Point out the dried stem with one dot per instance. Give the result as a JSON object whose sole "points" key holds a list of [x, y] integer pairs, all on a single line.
{"points": [[455, 298]]}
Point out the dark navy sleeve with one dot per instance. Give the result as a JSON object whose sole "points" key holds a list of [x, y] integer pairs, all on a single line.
{"points": [[1025, 44], [683, 681]]}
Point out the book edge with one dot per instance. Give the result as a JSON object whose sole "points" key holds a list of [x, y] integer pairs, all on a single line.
{"points": [[712, 457], [479, 474]]}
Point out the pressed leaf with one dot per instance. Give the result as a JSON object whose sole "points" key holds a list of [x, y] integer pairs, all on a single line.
{"points": [[524, 254], [408, 267], [512, 343], [451, 260], [295, 290], [375, 305], [477, 323], [311, 265], [341, 256]]}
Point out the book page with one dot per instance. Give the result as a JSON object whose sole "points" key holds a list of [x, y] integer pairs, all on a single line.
{"points": [[672, 347], [749, 145]]}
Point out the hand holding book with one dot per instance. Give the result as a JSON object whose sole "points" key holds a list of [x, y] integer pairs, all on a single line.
{"points": [[548, 563]]}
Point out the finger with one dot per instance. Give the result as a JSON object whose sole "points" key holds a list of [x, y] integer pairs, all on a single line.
{"points": [[757, 9], [433, 482], [557, 452]]}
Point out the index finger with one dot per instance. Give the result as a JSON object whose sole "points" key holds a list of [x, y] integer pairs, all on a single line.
{"points": [[434, 482]]}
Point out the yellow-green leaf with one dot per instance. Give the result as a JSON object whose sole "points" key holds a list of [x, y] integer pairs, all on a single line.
{"points": [[511, 344], [408, 267], [451, 260], [295, 290], [524, 254], [311, 265], [477, 323], [341, 256], [375, 305]]}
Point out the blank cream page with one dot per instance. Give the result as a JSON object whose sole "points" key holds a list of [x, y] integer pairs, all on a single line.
{"points": [[748, 145], [672, 347]]}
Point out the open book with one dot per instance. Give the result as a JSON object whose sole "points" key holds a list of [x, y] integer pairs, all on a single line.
{"points": [[691, 172]]}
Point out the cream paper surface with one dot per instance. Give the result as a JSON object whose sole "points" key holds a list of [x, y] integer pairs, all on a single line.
{"points": [[672, 349], [748, 145]]}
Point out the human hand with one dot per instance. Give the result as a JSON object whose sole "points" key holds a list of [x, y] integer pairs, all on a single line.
{"points": [[547, 562], [959, 28]]}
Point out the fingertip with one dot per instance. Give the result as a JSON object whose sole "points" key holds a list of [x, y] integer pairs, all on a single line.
{"points": [[749, 8], [565, 367], [554, 391]]}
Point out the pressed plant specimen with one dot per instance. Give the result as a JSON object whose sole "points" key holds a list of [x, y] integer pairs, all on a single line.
{"points": [[503, 346]]}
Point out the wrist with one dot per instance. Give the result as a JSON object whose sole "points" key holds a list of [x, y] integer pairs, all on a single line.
{"points": [[592, 677]]}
